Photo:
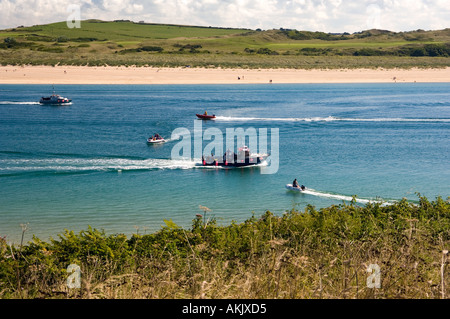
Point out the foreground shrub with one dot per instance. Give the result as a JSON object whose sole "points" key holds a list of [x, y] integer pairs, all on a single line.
{"points": [[323, 253]]}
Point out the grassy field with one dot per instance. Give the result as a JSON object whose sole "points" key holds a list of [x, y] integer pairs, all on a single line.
{"points": [[319, 254], [127, 43]]}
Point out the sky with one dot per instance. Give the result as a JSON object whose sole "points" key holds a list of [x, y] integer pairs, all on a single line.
{"points": [[311, 15]]}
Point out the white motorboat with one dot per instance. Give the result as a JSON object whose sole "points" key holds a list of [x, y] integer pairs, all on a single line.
{"points": [[55, 99]]}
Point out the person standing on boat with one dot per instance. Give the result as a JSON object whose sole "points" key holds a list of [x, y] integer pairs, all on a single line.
{"points": [[295, 183]]}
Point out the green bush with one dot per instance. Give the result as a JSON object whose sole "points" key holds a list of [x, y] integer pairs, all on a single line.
{"points": [[307, 35], [316, 253], [315, 51], [62, 38], [266, 51], [151, 48], [437, 50], [50, 49], [369, 52]]}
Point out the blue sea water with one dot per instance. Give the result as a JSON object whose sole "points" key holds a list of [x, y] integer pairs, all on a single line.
{"points": [[88, 164]]}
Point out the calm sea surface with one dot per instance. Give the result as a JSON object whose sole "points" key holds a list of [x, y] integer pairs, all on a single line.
{"points": [[88, 164]]}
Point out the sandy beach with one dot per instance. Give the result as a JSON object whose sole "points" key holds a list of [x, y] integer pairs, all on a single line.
{"points": [[152, 75]]}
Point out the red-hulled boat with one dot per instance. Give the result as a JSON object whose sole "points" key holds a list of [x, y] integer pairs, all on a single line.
{"points": [[205, 116]]}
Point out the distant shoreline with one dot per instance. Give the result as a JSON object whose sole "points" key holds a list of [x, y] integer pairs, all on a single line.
{"points": [[154, 75]]}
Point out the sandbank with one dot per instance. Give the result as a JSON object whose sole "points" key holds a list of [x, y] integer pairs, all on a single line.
{"points": [[153, 75]]}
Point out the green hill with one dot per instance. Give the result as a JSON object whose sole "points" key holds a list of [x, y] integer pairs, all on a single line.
{"points": [[124, 42]]}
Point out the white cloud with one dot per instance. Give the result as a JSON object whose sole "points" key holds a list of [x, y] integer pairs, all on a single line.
{"points": [[313, 15]]}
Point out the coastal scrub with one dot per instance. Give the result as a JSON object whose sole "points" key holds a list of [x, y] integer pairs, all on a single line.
{"points": [[325, 253]]}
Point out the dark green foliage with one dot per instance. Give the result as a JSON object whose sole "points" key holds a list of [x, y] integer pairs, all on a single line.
{"points": [[62, 38], [37, 37], [191, 48], [266, 51], [86, 39], [150, 48], [142, 49], [307, 35], [418, 52], [436, 50], [369, 52], [316, 51], [51, 49], [10, 41], [430, 50]]}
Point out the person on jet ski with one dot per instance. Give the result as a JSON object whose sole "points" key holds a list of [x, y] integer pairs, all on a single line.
{"points": [[295, 184]]}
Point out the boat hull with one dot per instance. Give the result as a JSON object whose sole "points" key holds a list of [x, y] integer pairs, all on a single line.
{"points": [[156, 141], [250, 161], [205, 117], [297, 189], [55, 101]]}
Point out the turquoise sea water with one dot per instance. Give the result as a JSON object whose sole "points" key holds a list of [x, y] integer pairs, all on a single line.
{"points": [[89, 163]]}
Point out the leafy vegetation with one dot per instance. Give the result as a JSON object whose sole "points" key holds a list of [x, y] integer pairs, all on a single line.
{"points": [[124, 42], [311, 254]]}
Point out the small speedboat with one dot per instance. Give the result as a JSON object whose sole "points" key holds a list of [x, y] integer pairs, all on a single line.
{"points": [[206, 116], [298, 189], [55, 99], [156, 140]]}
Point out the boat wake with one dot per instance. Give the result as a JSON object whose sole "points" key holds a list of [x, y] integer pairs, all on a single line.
{"points": [[70, 165], [18, 103], [10, 167], [327, 119], [347, 198], [170, 139]]}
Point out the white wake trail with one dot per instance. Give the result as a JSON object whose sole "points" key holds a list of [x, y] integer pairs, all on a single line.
{"points": [[18, 103], [340, 197], [328, 119], [92, 164]]}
